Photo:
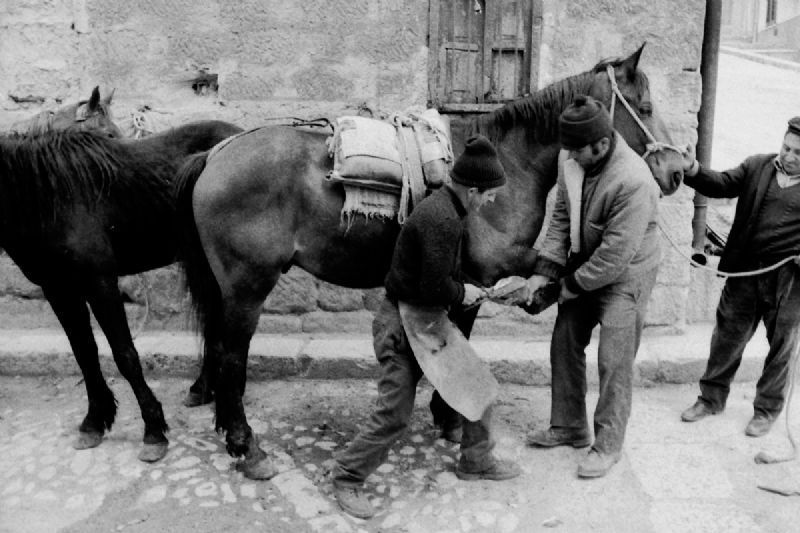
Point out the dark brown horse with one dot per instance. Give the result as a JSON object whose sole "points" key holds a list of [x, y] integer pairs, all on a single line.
{"points": [[77, 210], [93, 114], [261, 204]]}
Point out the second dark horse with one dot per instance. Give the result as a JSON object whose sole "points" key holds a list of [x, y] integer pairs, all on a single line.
{"points": [[79, 209]]}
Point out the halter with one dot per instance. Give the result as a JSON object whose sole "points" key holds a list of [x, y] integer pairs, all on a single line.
{"points": [[654, 145]]}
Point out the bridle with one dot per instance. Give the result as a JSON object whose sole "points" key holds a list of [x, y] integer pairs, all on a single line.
{"points": [[654, 145]]}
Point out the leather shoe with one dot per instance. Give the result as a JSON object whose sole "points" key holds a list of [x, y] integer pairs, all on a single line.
{"points": [[758, 426], [597, 464], [500, 470], [698, 411], [555, 436], [353, 501]]}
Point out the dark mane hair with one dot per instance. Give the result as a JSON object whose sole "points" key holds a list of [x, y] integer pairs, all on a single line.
{"points": [[538, 113], [43, 176]]}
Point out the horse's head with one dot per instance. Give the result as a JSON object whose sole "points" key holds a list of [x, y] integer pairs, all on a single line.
{"points": [[627, 96], [92, 114]]}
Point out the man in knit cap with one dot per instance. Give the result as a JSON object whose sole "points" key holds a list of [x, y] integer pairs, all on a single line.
{"points": [[425, 272], [765, 231], [601, 245]]}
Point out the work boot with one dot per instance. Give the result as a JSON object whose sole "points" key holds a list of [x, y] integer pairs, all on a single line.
{"points": [[698, 411], [556, 436], [759, 425], [452, 434], [353, 501], [597, 464], [500, 470]]}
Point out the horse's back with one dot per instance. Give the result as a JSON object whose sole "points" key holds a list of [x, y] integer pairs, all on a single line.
{"points": [[264, 198]]}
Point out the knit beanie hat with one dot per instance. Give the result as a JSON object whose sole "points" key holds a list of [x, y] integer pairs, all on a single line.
{"points": [[794, 126], [478, 166], [583, 122]]}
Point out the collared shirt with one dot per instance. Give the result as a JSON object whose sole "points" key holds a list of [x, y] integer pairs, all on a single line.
{"points": [[784, 179]]}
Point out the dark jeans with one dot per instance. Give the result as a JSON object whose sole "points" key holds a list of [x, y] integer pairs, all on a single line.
{"points": [[397, 389], [773, 297], [619, 308]]}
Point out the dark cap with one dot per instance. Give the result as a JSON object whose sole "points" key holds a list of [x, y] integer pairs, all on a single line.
{"points": [[794, 126], [478, 166], [583, 122]]}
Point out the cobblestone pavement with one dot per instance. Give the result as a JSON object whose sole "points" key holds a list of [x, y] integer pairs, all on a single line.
{"points": [[673, 476]]}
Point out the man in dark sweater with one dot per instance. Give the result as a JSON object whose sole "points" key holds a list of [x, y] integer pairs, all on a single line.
{"points": [[766, 230], [425, 272]]}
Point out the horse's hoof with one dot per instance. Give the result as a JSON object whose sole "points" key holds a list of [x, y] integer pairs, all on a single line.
{"points": [[87, 440], [261, 469], [196, 399], [153, 452]]}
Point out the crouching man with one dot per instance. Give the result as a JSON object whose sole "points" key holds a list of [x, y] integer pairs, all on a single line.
{"points": [[425, 272]]}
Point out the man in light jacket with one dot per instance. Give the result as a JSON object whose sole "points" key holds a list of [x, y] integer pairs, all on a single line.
{"points": [[602, 245]]}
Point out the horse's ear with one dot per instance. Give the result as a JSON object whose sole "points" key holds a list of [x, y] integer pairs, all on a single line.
{"points": [[630, 64], [107, 99], [94, 100]]}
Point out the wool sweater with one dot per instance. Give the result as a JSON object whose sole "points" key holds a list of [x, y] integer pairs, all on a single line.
{"points": [[426, 264], [750, 182], [618, 224]]}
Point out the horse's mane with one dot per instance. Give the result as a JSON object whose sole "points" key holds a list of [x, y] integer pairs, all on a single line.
{"points": [[43, 176], [538, 113]]}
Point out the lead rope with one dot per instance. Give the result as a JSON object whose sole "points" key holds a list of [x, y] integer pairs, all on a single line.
{"points": [[656, 146]]}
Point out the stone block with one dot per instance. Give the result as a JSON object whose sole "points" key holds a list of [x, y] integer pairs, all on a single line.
{"points": [[295, 292], [162, 289], [342, 322], [279, 324], [14, 283], [667, 306], [334, 298]]}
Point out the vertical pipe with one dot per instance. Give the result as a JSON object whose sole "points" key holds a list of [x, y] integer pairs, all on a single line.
{"points": [[705, 118]]}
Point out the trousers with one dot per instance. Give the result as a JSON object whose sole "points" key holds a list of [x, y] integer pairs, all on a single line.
{"points": [[397, 387]]}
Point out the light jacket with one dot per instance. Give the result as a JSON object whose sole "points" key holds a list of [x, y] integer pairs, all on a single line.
{"points": [[617, 223]]}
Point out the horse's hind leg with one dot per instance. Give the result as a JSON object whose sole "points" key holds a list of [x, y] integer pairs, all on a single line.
{"points": [[109, 311], [202, 390], [241, 308], [71, 311]]}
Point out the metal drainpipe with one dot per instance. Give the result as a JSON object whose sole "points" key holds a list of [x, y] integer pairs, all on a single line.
{"points": [[705, 119]]}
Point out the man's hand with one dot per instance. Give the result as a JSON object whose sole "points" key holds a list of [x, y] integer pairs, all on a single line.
{"points": [[471, 294], [535, 282], [689, 160], [566, 294]]}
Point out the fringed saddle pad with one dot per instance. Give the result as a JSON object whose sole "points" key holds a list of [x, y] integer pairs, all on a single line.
{"points": [[377, 161]]}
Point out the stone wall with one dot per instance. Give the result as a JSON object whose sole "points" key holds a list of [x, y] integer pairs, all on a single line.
{"points": [[311, 58]]}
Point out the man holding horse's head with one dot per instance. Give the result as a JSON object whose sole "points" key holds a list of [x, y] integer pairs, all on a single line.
{"points": [[425, 274], [765, 235], [601, 246]]}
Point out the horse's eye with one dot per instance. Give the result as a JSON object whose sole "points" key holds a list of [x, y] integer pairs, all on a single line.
{"points": [[646, 109]]}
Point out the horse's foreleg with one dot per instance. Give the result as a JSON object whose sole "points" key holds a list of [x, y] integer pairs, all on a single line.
{"points": [[71, 311], [109, 311]]}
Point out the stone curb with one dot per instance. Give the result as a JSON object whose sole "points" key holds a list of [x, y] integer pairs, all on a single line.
{"points": [[760, 58], [661, 359]]}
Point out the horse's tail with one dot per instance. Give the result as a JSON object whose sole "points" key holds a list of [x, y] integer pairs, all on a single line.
{"points": [[198, 277]]}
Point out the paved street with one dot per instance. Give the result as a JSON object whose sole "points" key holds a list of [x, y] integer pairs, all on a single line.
{"points": [[754, 102], [673, 476]]}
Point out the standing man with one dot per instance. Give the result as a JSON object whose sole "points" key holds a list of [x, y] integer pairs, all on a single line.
{"points": [[603, 246], [766, 230], [425, 272]]}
